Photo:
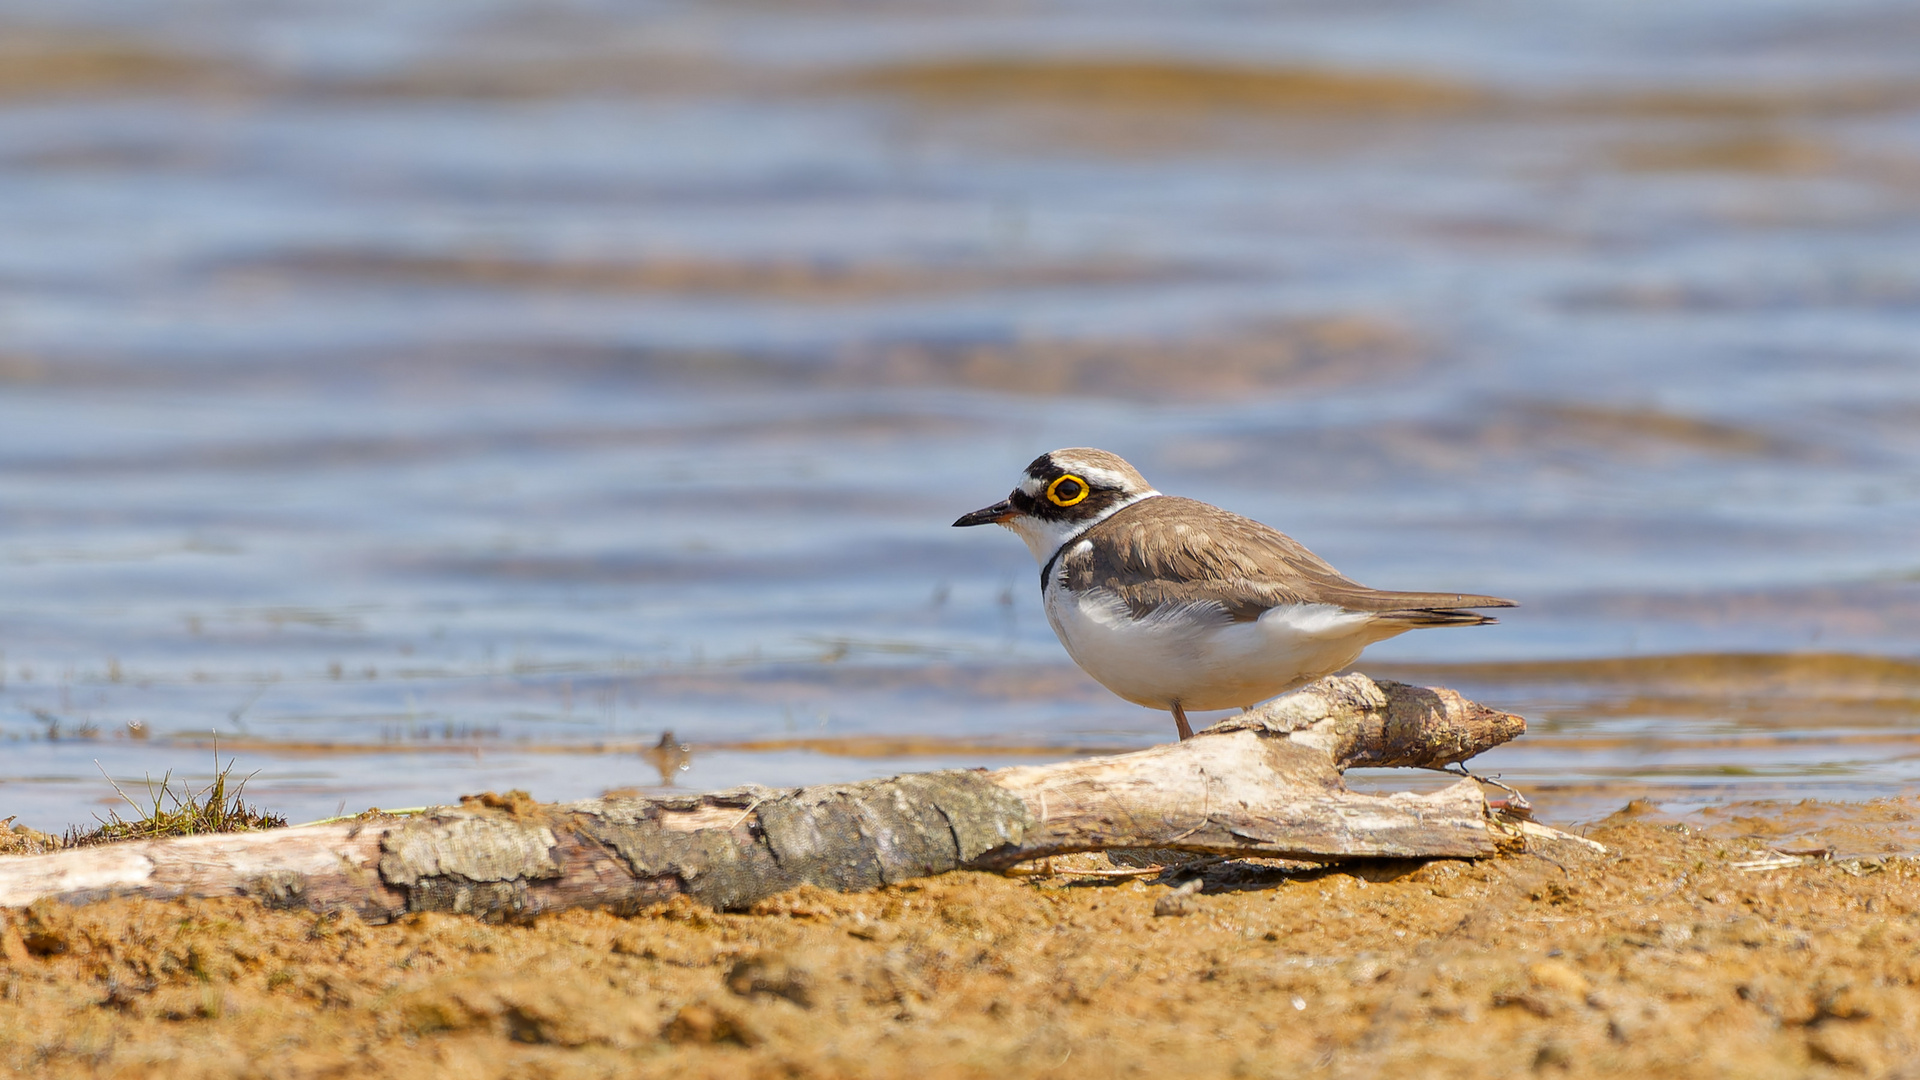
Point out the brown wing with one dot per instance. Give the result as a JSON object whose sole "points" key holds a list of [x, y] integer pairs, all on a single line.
{"points": [[1168, 550]]}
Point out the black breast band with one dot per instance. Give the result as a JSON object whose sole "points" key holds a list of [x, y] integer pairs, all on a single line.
{"points": [[1047, 570]]}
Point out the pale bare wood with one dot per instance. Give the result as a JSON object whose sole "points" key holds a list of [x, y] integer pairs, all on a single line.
{"points": [[1264, 783]]}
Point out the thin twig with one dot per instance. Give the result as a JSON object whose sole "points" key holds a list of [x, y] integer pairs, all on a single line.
{"points": [[1517, 803], [116, 787], [1048, 870], [749, 813], [234, 715]]}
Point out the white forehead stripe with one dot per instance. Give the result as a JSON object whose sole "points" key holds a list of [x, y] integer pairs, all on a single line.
{"points": [[1106, 478], [1094, 474]]}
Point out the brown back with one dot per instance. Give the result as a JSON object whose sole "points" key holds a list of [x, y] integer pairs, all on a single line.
{"points": [[1169, 550]]}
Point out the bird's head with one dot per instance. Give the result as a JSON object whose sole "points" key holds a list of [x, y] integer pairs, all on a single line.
{"points": [[1062, 494]]}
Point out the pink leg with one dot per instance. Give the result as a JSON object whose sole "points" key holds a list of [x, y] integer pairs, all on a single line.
{"points": [[1180, 721]]}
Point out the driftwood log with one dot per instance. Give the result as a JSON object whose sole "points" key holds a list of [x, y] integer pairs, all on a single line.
{"points": [[1265, 783]]}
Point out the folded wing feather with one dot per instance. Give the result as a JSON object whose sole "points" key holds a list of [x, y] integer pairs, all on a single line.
{"points": [[1169, 550]]}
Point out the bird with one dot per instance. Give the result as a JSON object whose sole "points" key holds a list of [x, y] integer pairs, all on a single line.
{"points": [[1176, 604]]}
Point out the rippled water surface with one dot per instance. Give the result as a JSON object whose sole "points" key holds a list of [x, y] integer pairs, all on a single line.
{"points": [[422, 398]]}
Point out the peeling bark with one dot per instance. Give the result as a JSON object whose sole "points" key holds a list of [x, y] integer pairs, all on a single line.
{"points": [[1264, 783]]}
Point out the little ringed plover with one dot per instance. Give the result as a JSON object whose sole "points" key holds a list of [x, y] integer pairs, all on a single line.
{"points": [[1174, 604]]}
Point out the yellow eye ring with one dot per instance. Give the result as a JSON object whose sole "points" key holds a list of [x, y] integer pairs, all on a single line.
{"points": [[1053, 490]]}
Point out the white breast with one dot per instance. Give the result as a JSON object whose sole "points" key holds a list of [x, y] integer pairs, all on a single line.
{"points": [[1198, 657]]}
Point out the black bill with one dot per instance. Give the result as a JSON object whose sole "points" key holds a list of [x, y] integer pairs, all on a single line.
{"points": [[987, 515]]}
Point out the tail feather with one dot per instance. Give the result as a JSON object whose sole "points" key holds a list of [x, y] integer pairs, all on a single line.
{"points": [[1434, 601], [1415, 617], [1418, 608]]}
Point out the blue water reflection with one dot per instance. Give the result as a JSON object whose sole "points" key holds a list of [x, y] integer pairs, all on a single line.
{"points": [[428, 399]]}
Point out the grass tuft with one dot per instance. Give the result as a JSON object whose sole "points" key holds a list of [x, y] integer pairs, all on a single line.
{"points": [[181, 811]]}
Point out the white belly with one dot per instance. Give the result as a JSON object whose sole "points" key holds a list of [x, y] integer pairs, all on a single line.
{"points": [[1197, 657]]}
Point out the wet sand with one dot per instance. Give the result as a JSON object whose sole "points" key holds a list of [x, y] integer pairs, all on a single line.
{"points": [[1663, 957]]}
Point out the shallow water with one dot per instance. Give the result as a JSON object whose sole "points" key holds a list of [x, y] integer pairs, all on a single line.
{"points": [[419, 399]]}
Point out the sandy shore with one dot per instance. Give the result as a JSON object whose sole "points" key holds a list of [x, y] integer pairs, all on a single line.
{"points": [[1662, 958]]}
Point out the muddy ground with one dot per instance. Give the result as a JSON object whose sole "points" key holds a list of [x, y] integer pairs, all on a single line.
{"points": [[1661, 958]]}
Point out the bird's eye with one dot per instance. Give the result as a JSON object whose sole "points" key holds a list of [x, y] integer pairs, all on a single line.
{"points": [[1067, 490]]}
